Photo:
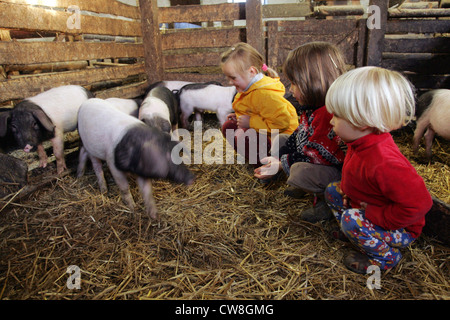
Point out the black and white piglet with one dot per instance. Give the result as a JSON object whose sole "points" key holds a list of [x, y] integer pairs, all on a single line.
{"points": [[172, 85], [128, 106], [47, 115], [128, 146], [433, 117], [160, 109], [200, 97]]}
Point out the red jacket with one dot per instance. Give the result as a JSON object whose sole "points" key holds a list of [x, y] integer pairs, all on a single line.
{"points": [[376, 172]]}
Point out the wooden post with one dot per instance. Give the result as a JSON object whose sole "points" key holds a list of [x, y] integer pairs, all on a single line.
{"points": [[255, 32], [152, 40], [377, 31]]}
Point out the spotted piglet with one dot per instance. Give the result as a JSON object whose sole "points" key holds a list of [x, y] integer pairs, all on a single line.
{"points": [[45, 116], [128, 146], [160, 109]]}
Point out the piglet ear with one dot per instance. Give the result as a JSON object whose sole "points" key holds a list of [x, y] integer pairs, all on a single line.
{"points": [[156, 164], [4, 117], [44, 120]]}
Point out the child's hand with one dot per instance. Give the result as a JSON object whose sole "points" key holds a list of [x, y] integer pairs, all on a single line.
{"points": [[231, 116], [271, 167], [243, 122]]}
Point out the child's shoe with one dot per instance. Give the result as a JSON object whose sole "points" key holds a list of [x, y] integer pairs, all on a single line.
{"points": [[357, 262], [318, 212]]}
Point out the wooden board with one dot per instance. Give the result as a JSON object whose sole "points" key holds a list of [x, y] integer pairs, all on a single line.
{"points": [[399, 26], [40, 52], [202, 38], [32, 85], [429, 45], [191, 60], [422, 64], [99, 6], [14, 16], [202, 13], [348, 35]]}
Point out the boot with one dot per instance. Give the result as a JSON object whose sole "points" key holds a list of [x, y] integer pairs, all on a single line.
{"points": [[318, 212]]}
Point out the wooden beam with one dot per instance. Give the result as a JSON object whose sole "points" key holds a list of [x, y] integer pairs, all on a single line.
{"points": [[255, 33], [376, 35], [152, 40], [355, 10], [201, 13], [201, 38], [191, 60], [45, 52], [286, 10], [398, 26], [14, 16], [98, 6], [31, 85], [413, 13], [128, 91]]}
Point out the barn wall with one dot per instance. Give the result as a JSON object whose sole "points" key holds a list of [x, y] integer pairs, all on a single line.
{"points": [[39, 49], [417, 43], [42, 46]]}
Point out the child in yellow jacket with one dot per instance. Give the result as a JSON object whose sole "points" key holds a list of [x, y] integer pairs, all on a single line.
{"points": [[260, 108]]}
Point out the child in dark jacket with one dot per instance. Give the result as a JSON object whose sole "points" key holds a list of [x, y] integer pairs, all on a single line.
{"points": [[312, 156], [380, 202]]}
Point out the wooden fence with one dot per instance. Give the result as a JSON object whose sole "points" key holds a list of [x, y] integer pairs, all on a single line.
{"points": [[53, 43], [115, 49]]}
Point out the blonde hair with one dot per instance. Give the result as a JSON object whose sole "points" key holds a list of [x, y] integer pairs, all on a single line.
{"points": [[373, 97], [313, 67], [244, 56]]}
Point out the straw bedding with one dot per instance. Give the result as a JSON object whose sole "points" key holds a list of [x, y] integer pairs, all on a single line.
{"points": [[225, 237]]}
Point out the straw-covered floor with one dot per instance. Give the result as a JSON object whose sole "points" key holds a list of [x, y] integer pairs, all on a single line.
{"points": [[225, 237]]}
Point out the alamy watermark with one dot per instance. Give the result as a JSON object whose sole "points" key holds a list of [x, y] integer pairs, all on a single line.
{"points": [[74, 280], [373, 13], [74, 21], [374, 280]]}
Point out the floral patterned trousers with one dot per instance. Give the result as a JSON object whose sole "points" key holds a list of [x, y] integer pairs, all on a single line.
{"points": [[381, 246]]}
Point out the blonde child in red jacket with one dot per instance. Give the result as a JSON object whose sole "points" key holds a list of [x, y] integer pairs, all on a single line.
{"points": [[381, 201]]}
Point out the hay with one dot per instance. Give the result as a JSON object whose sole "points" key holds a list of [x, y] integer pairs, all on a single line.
{"points": [[225, 237]]}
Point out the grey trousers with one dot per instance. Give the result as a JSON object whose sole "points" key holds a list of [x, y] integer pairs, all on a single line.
{"points": [[312, 178]]}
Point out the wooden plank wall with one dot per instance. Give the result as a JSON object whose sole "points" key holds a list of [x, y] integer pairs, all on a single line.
{"points": [[193, 54], [41, 47], [348, 35], [38, 50], [417, 43]]}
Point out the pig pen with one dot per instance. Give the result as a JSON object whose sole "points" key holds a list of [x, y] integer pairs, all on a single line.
{"points": [[225, 237]]}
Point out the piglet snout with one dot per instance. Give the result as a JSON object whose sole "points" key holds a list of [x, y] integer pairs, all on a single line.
{"points": [[28, 148]]}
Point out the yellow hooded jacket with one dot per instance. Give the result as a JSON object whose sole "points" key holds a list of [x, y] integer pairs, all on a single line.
{"points": [[264, 102]]}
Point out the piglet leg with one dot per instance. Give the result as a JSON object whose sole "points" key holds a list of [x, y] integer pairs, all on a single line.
{"points": [[82, 159], [42, 156], [58, 150], [429, 136], [98, 169], [145, 186], [122, 182]]}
